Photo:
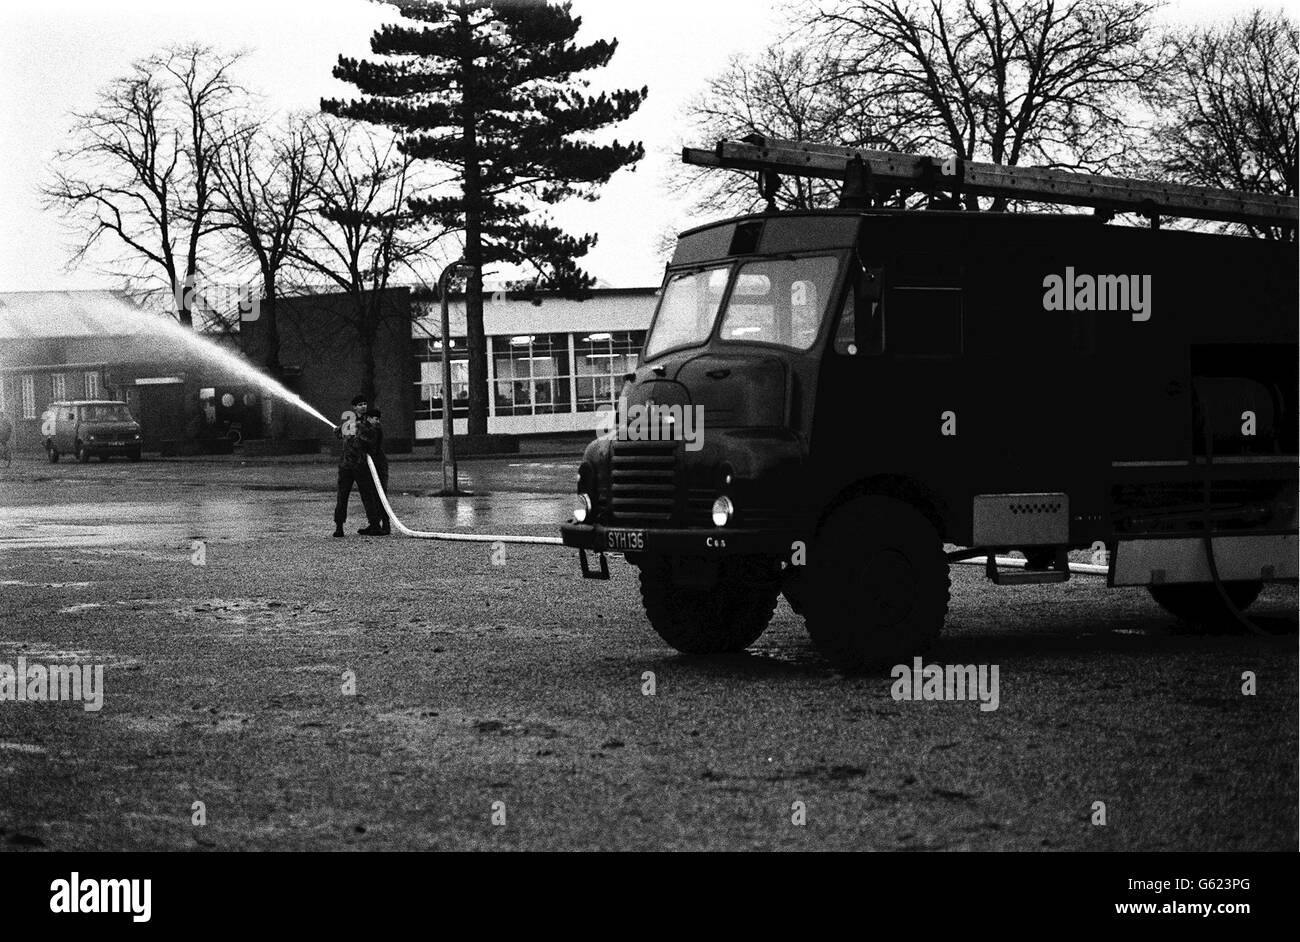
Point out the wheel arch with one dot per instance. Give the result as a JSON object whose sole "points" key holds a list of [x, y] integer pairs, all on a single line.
{"points": [[903, 487]]}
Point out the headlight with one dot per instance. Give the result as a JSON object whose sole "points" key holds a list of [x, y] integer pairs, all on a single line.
{"points": [[581, 507], [136, 436], [722, 511]]}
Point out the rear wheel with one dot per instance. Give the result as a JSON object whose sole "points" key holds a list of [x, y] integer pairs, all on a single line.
{"points": [[53, 455], [1199, 603], [83, 455], [728, 615], [878, 584]]}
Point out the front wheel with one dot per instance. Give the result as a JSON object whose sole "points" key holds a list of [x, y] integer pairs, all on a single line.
{"points": [[877, 584], [724, 617], [53, 455], [1199, 603], [83, 456]]}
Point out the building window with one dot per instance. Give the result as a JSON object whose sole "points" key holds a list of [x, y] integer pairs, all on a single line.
{"points": [[58, 386], [429, 405], [92, 385], [29, 397], [531, 374], [600, 360]]}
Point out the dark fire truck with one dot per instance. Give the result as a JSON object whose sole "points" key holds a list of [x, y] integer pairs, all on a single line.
{"points": [[875, 383]]}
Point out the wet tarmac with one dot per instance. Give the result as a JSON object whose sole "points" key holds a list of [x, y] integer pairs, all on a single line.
{"points": [[237, 503], [482, 678]]}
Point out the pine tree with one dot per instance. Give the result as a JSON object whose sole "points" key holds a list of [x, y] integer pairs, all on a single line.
{"points": [[492, 89]]}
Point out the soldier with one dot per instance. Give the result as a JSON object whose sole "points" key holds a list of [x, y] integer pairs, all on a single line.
{"points": [[357, 438], [373, 415]]}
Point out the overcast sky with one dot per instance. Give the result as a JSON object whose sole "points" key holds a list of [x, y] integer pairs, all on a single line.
{"points": [[56, 54]]}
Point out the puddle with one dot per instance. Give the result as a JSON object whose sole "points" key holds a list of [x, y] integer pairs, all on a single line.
{"points": [[46, 585], [122, 523], [119, 523], [37, 653]]}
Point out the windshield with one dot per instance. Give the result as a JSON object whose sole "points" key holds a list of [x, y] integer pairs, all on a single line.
{"points": [[111, 412], [687, 310], [780, 301]]}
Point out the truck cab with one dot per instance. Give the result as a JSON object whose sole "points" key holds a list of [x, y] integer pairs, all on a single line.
{"points": [[90, 428]]}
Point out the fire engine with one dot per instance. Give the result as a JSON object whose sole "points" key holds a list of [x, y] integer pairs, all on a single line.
{"points": [[883, 391]]}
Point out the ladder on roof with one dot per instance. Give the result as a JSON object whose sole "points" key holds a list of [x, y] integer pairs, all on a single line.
{"points": [[871, 172]]}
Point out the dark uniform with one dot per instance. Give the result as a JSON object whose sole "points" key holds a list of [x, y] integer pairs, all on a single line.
{"points": [[353, 470], [381, 466]]}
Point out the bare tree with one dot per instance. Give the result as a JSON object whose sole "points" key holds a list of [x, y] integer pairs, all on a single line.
{"points": [[786, 91], [266, 184], [1227, 114], [1043, 82], [141, 169], [360, 230]]}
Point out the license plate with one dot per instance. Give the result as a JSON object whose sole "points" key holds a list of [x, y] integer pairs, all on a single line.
{"points": [[625, 539]]}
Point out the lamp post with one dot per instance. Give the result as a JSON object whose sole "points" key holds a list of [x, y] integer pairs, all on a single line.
{"points": [[449, 485]]}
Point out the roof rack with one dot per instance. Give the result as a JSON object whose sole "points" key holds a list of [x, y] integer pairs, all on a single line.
{"points": [[872, 174]]}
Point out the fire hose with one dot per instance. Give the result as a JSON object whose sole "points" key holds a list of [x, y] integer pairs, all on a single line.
{"points": [[449, 537], [1081, 568]]}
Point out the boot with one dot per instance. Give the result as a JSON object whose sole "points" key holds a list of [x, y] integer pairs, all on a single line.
{"points": [[372, 530], [338, 529]]}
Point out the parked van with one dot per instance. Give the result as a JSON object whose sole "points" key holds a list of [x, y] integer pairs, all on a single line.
{"points": [[90, 427]]}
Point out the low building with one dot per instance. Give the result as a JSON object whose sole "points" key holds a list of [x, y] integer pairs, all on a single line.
{"points": [[553, 363]]}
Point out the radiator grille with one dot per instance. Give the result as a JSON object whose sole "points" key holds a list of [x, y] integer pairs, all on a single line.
{"points": [[643, 487]]}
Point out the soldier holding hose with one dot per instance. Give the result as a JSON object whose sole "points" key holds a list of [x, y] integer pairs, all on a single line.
{"points": [[358, 438]]}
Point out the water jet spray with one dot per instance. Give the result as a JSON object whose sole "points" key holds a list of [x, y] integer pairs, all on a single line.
{"points": [[210, 351]]}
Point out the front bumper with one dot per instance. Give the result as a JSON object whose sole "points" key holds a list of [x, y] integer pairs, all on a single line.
{"points": [[111, 448], [720, 541]]}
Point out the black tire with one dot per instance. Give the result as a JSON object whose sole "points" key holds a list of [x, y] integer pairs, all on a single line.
{"points": [[53, 455], [133, 455], [1199, 603], [728, 616], [103, 458], [83, 456], [878, 584]]}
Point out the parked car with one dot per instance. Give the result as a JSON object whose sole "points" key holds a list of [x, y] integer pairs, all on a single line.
{"points": [[90, 427]]}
